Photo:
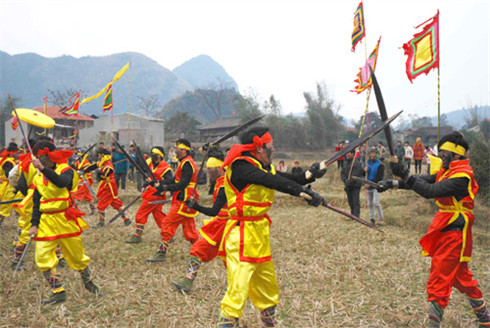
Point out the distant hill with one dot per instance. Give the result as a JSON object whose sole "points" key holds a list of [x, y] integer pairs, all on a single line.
{"points": [[202, 72], [29, 76], [457, 118]]}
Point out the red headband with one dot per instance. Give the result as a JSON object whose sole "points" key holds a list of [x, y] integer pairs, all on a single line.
{"points": [[238, 150], [57, 156]]}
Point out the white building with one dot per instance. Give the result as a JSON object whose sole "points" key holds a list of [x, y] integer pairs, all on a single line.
{"points": [[146, 131]]}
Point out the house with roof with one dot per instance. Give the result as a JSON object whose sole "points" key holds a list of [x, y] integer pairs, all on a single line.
{"points": [[146, 131], [219, 128], [63, 133]]}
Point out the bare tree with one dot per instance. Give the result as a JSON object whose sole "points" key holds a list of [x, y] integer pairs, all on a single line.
{"points": [[61, 99], [214, 95], [474, 116], [148, 105]]}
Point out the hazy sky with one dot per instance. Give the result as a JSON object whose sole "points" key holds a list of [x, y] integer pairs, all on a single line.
{"points": [[272, 47]]}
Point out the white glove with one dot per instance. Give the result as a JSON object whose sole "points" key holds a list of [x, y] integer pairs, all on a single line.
{"points": [[14, 176]]}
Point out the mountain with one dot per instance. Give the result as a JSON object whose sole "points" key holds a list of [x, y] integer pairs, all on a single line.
{"points": [[457, 119], [203, 72], [29, 76]]}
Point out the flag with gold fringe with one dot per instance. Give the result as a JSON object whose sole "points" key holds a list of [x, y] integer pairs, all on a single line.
{"points": [[72, 109], [108, 99], [423, 49], [359, 31], [364, 80], [116, 77], [14, 124]]}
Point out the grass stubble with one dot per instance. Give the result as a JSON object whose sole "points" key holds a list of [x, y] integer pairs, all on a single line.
{"points": [[332, 272]]}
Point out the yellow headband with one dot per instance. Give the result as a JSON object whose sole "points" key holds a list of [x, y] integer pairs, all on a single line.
{"points": [[157, 151], [449, 146], [214, 162], [182, 146]]}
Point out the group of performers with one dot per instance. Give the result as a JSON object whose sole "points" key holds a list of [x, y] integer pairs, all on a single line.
{"points": [[239, 230]]}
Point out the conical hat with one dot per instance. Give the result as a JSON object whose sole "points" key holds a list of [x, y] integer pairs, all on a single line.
{"points": [[35, 118]]}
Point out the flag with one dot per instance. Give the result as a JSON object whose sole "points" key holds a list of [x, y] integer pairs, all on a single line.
{"points": [[15, 123], [45, 100], [364, 76], [423, 49], [116, 77], [72, 109], [359, 31], [108, 99]]}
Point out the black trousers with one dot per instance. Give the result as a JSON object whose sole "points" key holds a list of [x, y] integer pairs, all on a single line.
{"points": [[353, 197], [120, 180], [418, 164]]}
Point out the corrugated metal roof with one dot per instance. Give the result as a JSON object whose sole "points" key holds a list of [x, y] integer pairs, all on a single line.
{"points": [[224, 122]]}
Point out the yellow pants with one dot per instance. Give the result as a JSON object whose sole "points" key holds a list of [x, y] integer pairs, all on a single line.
{"points": [[24, 224], [255, 280], [8, 194], [72, 249]]}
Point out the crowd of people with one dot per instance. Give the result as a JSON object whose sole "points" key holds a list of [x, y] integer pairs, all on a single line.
{"points": [[46, 191]]}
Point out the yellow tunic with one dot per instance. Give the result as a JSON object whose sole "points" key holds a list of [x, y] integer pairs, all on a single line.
{"points": [[56, 205]]}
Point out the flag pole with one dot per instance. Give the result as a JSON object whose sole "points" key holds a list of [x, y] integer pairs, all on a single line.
{"points": [[44, 112], [438, 82], [129, 105]]}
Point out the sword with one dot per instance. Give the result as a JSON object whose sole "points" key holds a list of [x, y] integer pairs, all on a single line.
{"points": [[88, 187], [338, 210], [121, 212], [145, 175], [157, 202], [12, 201], [364, 181], [22, 257], [145, 167], [353, 145]]}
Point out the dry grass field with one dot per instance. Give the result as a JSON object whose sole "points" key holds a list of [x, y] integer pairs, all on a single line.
{"points": [[332, 272]]}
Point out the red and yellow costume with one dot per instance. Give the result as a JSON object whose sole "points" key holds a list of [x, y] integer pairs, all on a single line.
{"points": [[451, 250], [207, 247], [107, 192], [151, 195], [83, 193], [6, 190], [179, 213]]}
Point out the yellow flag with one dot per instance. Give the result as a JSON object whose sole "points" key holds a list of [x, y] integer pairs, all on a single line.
{"points": [[116, 77]]}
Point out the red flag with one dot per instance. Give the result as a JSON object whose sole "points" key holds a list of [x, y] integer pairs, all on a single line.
{"points": [[364, 80], [423, 49], [108, 99], [15, 123], [359, 31], [72, 110]]}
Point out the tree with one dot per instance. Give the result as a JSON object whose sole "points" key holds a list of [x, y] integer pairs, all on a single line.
{"points": [[273, 106], [420, 122], [373, 120], [217, 95], [5, 114], [323, 127], [246, 106], [181, 124], [473, 115], [148, 105], [61, 99]]}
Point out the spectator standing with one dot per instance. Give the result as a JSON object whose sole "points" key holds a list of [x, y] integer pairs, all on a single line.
{"points": [[428, 151], [173, 159], [375, 173], [407, 159], [382, 152], [418, 155], [121, 167], [400, 151], [352, 188], [282, 167], [296, 168], [340, 161], [132, 154]]}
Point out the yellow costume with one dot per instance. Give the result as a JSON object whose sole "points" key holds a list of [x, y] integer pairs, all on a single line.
{"points": [[58, 225], [6, 190], [246, 247]]}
